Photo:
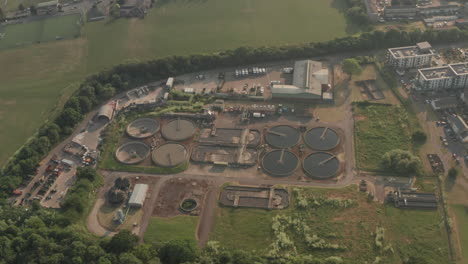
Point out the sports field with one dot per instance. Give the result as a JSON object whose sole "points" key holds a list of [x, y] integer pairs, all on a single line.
{"points": [[39, 75], [62, 27]]}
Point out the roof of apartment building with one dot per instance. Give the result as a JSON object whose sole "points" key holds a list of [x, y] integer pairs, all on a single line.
{"points": [[437, 73], [422, 48], [460, 68]]}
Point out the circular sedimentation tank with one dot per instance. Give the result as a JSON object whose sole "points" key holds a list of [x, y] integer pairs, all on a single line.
{"points": [[143, 128], [132, 152], [322, 138], [178, 130], [188, 205], [321, 165], [170, 155], [282, 136], [280, 162]]}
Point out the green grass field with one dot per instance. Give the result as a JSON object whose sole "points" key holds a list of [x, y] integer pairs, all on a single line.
{"points": [[40, 76], [379, 129], [408, 234], [44, 30], [13, 5], [462, 220], [161, 230]]}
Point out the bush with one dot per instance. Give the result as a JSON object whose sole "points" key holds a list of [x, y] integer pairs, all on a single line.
{"points": [[419, 137], [401, 162], [452, 174]]}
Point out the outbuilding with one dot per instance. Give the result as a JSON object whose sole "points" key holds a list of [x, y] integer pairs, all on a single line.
{"points": [[170, 83], [138, 195]]}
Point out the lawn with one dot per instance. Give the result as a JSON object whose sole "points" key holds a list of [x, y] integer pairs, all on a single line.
{"points": [[379, 129], [44, 30], [161, 230], [336, 222], [462, 219], [39, 76]]}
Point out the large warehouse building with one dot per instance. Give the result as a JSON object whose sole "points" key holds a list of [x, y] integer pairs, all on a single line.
{"points": [[138, 195], [410, 57], [310, 82]]}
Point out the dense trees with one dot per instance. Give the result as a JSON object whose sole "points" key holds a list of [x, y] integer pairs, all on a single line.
{"points": [[178, 251], [351, 66], [124, 241], [401, 162], [40, 236], [419, 137], [356, 12], [452, 174]]}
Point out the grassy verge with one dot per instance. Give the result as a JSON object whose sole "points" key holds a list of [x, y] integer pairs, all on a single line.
{"points": [[462, 219], [379, 129], [180, 227], [336, 222]]}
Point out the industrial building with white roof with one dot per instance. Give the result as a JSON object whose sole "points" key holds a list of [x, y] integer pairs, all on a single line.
{"points": [[138, 195], [310, 80]]}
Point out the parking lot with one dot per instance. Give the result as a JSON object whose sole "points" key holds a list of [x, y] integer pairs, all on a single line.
{"points": [[240, 82]]}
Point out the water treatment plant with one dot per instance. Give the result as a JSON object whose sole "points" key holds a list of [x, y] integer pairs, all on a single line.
{"points": [[321, 165], [143, 128], [280, 163], [170, 155], [321, 138], [132, 152], [282, 136], [178, 130]]}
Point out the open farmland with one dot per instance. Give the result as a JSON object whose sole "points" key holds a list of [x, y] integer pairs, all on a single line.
{"points": [[44, 30], [341, 222], [43, 70], [379, 129]]}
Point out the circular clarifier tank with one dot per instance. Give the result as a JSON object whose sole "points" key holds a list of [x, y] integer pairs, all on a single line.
{"points": [[143, 128], [170, 155], [282, 136], [321, 165], [178, 130], [280, 162], [321, 138], [132, 152]]}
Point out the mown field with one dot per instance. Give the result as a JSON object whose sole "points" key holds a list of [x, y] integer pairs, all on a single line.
{"points": [[161, 230], [339, 222], [39, 76], [379, 129], [64, 27]]}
